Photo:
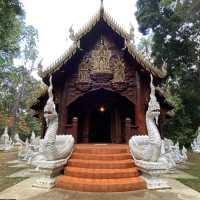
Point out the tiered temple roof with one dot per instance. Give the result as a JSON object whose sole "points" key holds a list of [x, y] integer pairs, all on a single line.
{"points": [[101, 14]]}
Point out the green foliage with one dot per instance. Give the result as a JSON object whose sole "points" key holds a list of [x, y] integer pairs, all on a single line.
{"points": [[28, 46], [179, 128], [176, 40], [17, 41], [194, 170], [16, 87], [145, 46], [11, 15]]}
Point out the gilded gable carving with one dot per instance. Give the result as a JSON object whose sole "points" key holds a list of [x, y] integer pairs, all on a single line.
{"points": [[84, 69], [118, 70], [102, 60]]}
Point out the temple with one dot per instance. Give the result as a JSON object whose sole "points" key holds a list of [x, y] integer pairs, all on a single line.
{"points": [[101, 85]]}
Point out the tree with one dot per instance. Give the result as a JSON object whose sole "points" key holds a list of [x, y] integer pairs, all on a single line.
{"points": [[11, 15], [195, 7], [176, 40], [28, 55], [16, 83], [16, 88], [145, 46]]}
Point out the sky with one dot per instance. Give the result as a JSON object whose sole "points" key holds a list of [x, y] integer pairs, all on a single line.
{"points": [[52, 19]]}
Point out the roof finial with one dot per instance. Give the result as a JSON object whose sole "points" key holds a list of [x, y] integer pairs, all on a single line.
{"points": [[131, 33], [40, 67], [71, 33], [101, 3], [102, 7]]}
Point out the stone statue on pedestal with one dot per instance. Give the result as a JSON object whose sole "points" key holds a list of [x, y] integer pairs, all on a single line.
{"points": [[196, 142], [5, 141], [32, 139], [146, 150], [54, 149], [17, 140]]}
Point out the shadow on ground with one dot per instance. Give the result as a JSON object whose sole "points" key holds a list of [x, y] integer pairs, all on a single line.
{"points": [[136, 195]]}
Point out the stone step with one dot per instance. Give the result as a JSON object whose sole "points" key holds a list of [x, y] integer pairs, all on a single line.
{"points": [[101, 149], [101, 164], [100, 185], [101, 168], [101, 173], [84, 156]]}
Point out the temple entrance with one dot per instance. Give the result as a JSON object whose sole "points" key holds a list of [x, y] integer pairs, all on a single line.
{"points": [[100, 126], [101, 116]]}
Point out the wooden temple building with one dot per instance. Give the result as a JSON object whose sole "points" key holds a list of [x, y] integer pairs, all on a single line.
{"points": [[101, 85]]}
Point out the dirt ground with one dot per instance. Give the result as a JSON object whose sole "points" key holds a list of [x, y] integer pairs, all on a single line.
{"points": [[6, 170], [194, 169], [179, 191]]}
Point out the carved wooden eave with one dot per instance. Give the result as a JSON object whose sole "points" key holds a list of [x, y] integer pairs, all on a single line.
{"points": [[102, 14], [108, 19], [166, 97], [59, 62], [144, 63], [44, 91], [34, 100]]}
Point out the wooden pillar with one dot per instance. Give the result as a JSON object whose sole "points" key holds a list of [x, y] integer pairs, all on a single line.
{"points": [[75, 128], [140, 107], [62, 120], [86, 128], [63, 111], [118, 126], [127, 129]]}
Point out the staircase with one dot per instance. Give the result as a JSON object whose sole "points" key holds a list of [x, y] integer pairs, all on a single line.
{"points": [[101, 168]]}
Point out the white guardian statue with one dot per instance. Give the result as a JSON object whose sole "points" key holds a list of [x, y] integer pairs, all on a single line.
{"points": [[196, 142], [53, 146], [54, 150], [146, 150], [5, 141], [148, 147]]}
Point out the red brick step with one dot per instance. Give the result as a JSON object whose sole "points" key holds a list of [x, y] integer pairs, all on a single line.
{"points": [[100, 185], [101, 164], [101, 168], [101, 173], [84, 156], [101, 149]]}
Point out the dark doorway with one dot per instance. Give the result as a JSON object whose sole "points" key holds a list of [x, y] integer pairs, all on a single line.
{"points": [[100, 126]]}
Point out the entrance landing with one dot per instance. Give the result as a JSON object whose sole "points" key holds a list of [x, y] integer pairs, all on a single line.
{"points": [[101, 168]]}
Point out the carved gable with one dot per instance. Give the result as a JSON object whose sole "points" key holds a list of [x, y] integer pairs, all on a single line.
{"points": [[103, 60]]}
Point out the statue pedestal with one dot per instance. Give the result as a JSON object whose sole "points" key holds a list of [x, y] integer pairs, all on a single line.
{"points": [[49, 170], [152, 172], [154, 182], [5, 147]]}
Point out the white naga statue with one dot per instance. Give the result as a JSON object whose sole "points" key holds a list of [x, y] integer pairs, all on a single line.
{"points": [[32, 139], [17, 140], [184, 153], [146, 150], [177, 155], [148, 147], [53, 147], [5, 141], [23, 150], [196, 142]]}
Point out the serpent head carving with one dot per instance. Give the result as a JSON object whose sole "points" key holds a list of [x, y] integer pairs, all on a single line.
{"points": [[153, 111], [50, 108]]}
